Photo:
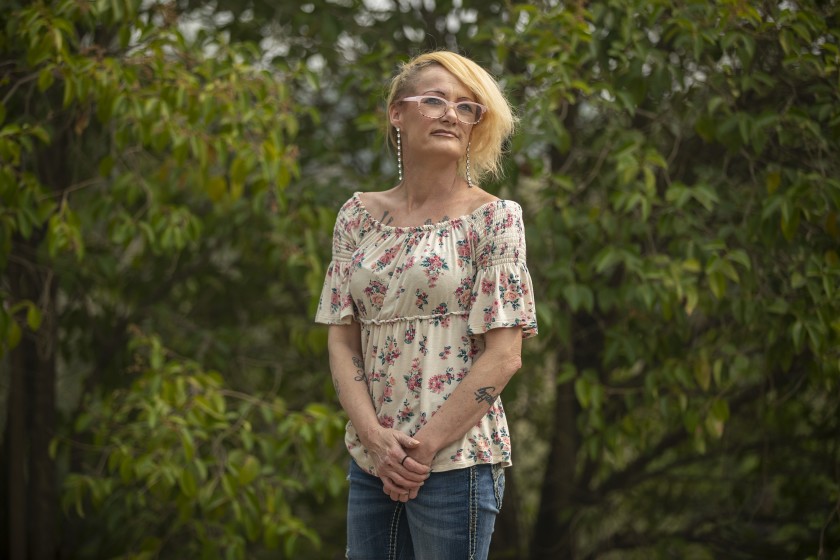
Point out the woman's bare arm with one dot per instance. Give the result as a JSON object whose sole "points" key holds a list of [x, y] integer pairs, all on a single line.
{"points": [[387, 447], [474, 396]]}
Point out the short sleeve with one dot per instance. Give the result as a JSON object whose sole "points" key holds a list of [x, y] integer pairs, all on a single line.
{"points": [[335, 306], [503, 294]]}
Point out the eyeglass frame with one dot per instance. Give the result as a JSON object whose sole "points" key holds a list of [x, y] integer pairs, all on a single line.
{"points": [[453, 104]]}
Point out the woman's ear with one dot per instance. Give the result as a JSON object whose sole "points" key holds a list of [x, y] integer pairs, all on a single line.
{"points": [[395, 115]]}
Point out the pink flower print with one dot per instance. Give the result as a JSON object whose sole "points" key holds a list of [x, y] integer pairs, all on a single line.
{"points": [[434, 266], [444, 354], [387, 258], [512, 293], [481, 449], [358, 257], [423, 348], [508, 223], [465, 350], [510, 290], [437, 383], [377, 300], [335, 300], [488, 217], [414, 378], [410, 333], [360, 305], [422, 299], [464, 294], [390, 353], [386, 421], [459, 455], [405, 266], [491, 312], [405, 413], [502, 440], [387, 391], [441, 235], [464, 250], [376, 292], [487, 286], [440, 316], [376, 376]]}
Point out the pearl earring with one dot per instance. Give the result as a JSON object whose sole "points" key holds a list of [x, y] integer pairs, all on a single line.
{"points": [[469, 179], [399, 155]]}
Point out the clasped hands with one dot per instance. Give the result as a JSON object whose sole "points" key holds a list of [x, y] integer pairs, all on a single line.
{"points": [[402, 463]]}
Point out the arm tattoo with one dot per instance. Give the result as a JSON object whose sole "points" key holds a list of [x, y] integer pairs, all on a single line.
{"points": [[337, 386], [428, 222], [485, 394], [360, 369], [386, 219]]}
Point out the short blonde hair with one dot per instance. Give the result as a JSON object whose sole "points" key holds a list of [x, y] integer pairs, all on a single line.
{"points": [[488, 136]]}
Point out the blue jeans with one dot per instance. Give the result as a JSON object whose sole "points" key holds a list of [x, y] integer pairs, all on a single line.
{"points": [[451, 518]]}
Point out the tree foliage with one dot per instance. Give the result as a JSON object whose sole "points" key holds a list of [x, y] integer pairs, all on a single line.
{"points": [[169, 175], [691, 192], [143, 178]]}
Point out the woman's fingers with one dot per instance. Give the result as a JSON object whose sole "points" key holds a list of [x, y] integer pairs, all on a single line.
{"points": [[396, 492]]}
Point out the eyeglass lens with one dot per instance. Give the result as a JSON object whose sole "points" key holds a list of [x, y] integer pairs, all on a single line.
{"points": [[435, 107]]}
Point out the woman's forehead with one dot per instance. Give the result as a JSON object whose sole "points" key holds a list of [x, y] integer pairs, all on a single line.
{"points": [[437, 78]]}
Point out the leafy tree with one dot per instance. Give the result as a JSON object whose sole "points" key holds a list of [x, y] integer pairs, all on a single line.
{"points": [[166, 214], [142, 176], [682, 160]]}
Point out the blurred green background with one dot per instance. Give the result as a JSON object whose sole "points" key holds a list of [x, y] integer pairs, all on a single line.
{"points": [[169, 177]]}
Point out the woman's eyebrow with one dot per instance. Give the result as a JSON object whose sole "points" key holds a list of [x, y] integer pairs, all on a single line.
{"points": [[441, 93]]}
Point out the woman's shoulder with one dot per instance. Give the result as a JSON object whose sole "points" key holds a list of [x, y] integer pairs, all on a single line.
{"points": [[374, 202], [488, 206]]}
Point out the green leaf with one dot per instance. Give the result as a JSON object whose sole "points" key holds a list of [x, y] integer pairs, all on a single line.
{"points": [[33, 317], [579, 297], [13, 336], [249, 471], [582, 392], [187, 483]]}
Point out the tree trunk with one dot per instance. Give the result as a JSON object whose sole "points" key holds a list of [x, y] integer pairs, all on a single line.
{"points": [[32, 492], [44, 533], [507, 534], [15, 455], [552, 536]]}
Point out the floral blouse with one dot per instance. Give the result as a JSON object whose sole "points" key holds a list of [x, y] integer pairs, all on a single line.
{"points": [[424, 296]]}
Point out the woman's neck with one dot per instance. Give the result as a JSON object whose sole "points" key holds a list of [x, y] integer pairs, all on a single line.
{"points": [[430, 182]]}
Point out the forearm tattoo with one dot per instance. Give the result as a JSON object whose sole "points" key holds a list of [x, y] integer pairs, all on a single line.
{"points": [[337, 386], [360, 369], [485, 394]]}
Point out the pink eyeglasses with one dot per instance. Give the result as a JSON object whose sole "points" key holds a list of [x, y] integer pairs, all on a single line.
{"points": [[434, 107]]}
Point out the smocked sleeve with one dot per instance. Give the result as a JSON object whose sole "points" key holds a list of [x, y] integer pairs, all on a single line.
{"points": [[503, 294], [336, 304]]}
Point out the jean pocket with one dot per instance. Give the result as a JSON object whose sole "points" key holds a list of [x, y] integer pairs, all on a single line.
{"points": [[499, 484]]}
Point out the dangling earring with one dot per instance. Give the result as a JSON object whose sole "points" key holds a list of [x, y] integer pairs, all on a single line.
{"points": [[469, 179], [399, 154]]}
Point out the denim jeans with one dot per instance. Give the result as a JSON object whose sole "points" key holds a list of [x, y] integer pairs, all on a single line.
{"points": [[451, 518]]}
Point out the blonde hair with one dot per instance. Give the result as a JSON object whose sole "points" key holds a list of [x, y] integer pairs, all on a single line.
{"points": [[488, 136]]}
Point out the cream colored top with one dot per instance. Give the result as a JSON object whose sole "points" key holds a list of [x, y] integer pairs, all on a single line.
{"points": [[425, 296]]}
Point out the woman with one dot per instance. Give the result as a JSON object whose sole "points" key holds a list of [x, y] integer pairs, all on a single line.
{"points": [[429, 297]]}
